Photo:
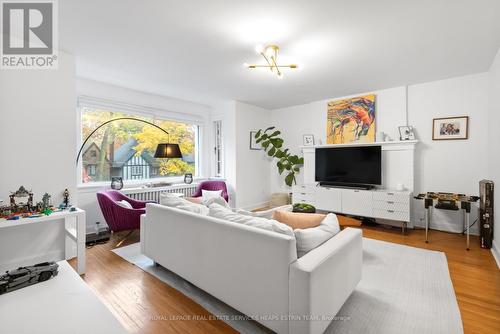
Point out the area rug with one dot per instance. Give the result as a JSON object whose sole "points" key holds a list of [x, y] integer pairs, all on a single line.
{"points": [[403, 290]]}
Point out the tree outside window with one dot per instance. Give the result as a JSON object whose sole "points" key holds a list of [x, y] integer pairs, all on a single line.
{"points": [[117, 148]]}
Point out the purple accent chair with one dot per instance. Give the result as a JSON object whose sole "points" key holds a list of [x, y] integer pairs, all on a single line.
{"points": [[117, 217], [212, 185]]}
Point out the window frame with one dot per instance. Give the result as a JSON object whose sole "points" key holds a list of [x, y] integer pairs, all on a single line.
{"points": [[141, 111]]}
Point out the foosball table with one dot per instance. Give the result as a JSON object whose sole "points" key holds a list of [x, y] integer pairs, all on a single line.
{"points": [[447, 201]]}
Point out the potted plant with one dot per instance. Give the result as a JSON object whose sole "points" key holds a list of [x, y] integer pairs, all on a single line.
{"points": [[288, 163]]}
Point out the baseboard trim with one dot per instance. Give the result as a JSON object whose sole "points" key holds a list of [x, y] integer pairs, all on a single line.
{"points": [[496, 254]]}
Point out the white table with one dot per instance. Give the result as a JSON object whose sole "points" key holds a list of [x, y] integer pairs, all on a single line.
{"points": [[75, 233], [62, 305]]}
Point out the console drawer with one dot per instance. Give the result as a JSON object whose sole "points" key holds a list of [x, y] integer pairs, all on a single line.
{"points": [[391, 214], [391, 205], [303, 198], [304, 189], [391, 196]]}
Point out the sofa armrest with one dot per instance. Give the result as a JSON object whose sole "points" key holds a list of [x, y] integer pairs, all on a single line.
{"points": [[322, 280]]}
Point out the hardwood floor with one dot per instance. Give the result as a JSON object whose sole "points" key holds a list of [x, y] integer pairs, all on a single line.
{"points": [[145, 304]]}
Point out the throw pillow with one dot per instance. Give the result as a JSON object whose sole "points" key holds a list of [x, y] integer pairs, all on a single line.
{"points": [[181, 203], [125, 204], [310, 238], [218, 211], [298, 220], [207, 194]]}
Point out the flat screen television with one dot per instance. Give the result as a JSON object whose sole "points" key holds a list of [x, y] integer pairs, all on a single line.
{"points": [[349, 166]]}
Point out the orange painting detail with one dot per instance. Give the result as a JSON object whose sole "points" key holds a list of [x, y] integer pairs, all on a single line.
{"points": [[351, 120]]}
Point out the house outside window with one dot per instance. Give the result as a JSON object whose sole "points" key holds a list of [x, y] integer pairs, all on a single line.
{"points": [[126, 148], [91, 170]]}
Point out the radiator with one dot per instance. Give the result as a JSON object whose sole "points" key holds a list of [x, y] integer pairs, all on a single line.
{"points": [[153, 194]]}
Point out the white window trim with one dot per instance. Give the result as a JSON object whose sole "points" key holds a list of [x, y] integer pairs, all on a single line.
{"points": [[138, 110]]}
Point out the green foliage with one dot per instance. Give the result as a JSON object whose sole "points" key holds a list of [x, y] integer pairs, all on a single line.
{"points": [[304, 208], [272, 144]]}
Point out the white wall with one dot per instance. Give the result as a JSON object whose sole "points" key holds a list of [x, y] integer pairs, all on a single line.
{"points": [[246, 171], [159, 105], [37, 141], [451, 165], [494, 147], [441, 166], [252, 166]]}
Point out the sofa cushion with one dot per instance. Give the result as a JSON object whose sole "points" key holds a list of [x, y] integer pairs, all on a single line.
{"points": [[265, 213], [298, 220], [218, 211], [181, 203], [196, 200], [218, 200], [310, 238]]}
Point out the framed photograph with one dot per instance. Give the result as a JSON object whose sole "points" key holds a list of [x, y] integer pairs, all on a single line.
{"points": [[308, 140], [406, 133], [450, 128], [253, 144]]}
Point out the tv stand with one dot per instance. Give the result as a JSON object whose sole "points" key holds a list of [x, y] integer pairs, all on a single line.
{"points": [[371, 203]]}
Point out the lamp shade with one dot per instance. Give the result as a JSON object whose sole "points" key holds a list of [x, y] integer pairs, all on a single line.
{"points": [[168, 151]]}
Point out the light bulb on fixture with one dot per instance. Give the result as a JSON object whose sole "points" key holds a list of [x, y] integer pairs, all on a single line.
{"points": [[280, 76], [246, 65], [271, 51], [259, 48]]}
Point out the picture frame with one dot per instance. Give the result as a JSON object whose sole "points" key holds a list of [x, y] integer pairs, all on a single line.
{"points": [[406, 133], [308, 140], [253, 142], [450, 128]]}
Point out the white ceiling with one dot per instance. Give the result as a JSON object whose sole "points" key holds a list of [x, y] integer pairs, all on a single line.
{"points": [[195, 49]]}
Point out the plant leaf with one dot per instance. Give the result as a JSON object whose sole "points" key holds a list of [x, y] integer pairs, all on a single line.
{"points": [[289, 179], [271, 152], [257, 135]]}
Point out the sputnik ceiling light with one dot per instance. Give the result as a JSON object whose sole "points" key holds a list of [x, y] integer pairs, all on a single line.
{"points": [[270, 54]]}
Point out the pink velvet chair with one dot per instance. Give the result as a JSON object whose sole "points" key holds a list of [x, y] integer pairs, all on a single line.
{"points": [[212, 185], [118, 217]]}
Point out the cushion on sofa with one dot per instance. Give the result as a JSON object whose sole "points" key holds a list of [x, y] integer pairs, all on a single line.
{"points": [[298, 220], [310, 238], [196, 200], [181, 203], [218, 211]]}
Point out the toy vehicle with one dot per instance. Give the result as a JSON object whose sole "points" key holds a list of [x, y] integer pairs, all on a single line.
{"points": [[24, 276]]}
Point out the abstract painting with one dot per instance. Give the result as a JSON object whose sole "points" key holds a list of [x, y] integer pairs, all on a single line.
{"points": [[351, 120]]}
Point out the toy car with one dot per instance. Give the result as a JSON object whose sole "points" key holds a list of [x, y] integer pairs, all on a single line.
{"points": [[24, 276]]}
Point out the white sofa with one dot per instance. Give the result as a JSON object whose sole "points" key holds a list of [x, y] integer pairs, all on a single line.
{"points": [[256, 271]]}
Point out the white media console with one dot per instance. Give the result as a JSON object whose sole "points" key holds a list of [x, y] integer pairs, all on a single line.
{"points": [[381, 203]]}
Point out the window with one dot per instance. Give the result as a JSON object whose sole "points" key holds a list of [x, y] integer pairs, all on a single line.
{"points": [[126, 148], [218, 149], [91, 170]]}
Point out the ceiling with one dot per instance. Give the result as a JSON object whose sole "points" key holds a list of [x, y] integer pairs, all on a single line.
{"points": [[194, 50]]}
